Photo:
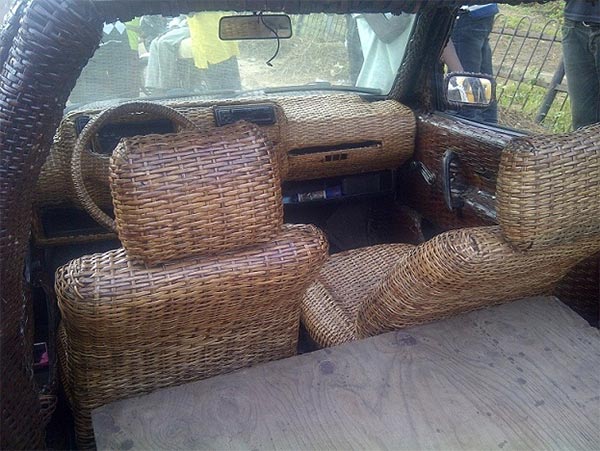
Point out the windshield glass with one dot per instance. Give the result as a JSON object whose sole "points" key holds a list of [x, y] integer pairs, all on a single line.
{"points": [[157, 56]]}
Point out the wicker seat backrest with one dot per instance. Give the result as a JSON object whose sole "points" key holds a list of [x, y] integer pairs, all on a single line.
{"points": [[207, 206], [548, 189], [195, 193]]}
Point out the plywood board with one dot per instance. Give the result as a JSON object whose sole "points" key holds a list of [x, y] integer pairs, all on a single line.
{"points": [[524, 375]]}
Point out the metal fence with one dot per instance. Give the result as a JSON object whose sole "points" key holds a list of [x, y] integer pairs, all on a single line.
{"points": [[321, 27], [529, 73], [527, 59]]}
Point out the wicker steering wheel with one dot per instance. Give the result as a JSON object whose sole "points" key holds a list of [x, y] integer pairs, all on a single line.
{"points": [[90, 130]]}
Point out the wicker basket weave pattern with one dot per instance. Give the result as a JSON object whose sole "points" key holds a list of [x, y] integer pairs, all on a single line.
{"points": [[208, 279], [380, 288], [330, 305], [301, 122], [129, 329], [371, 136], [43, 46], [549, 189], [549, 215], [194, 193], [55, 186], [462, 270]]}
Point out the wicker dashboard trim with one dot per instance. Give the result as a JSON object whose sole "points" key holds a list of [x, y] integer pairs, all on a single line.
{"points": [[314, 137]]}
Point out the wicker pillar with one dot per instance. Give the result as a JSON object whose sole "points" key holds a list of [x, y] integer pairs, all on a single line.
{"points": [[41, 61]]}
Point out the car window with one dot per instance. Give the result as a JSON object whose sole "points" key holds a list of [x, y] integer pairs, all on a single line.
{"points": [[521, 48], [156, 56]]}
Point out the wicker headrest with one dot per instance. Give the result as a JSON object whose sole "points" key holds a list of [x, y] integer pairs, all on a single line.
{"points": [[190, 193], [548, 189]]}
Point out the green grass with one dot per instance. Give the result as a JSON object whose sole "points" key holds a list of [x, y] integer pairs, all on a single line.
{"points": [[519, 103], [539, 13]]}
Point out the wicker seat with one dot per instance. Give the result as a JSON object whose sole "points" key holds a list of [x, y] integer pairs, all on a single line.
{"points": [[209, 279], [548, 207]]}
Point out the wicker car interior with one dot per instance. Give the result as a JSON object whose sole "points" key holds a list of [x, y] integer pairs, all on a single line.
{"points": [[548, 205], [44, 45], [315, 136], [201, 286]]}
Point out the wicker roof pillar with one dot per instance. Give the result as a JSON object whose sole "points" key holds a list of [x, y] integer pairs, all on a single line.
{"points": [[40, 64]]}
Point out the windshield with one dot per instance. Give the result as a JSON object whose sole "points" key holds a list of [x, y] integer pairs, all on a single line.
{"points": [[157, 56]]}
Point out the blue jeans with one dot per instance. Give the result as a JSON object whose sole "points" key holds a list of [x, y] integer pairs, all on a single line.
{"points": [[470, 37], [581, 52]]}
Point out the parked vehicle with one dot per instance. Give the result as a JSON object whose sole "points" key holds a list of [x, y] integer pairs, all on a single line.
{"points": [[177, 220]]}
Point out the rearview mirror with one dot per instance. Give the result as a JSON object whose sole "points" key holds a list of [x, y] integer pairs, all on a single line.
{"points": [[256, 26], [466, 89]]}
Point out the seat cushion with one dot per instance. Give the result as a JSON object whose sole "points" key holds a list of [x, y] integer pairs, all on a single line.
{"points": [[130, 329], [462, 270], [330, 305]]}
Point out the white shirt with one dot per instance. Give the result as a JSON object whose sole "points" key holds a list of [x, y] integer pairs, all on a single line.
{"points": [[381, 60]]}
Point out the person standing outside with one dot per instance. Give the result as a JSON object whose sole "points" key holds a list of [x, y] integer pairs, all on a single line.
{"points": [[383, 39], [470, 37], [581, 53]]}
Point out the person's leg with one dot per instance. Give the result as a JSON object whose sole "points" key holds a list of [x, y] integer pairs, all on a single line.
{"points": [[468, 38], [151, 80], [355, 56], [490, 114], [162, 62], [471, 40], [582, 72], [486, 50], [595, 47]]}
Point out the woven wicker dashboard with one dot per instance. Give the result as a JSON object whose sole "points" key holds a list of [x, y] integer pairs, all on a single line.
{"points": [[314, 136]]}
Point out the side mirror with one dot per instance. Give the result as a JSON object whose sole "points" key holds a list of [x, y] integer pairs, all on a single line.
{"points": [[467, 89], [255, 26]]}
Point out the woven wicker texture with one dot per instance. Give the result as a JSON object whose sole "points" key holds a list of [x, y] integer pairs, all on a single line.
{"points": [[370, 136], [311, 122], [462, 270], [330, 305], [89, 132], [454, 272], [192, 193], [130, 329], [549, 188], [40, 64], [479, 150], [55, 185], [10, 27]]}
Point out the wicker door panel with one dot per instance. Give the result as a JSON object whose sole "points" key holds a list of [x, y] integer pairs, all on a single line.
{"points": [[478, 149]]}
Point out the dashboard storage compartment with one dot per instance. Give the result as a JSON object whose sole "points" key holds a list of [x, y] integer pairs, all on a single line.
{"points": [[346, 135], [338, 188]]}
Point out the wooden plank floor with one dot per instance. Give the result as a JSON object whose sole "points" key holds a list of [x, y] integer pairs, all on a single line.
{"points": [[525, 375]]}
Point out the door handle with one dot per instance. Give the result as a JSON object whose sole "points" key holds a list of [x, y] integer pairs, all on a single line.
{"points": [[450, 167]]}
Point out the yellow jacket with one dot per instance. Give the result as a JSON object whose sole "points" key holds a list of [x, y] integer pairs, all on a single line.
{"points": [[207, 48]]}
